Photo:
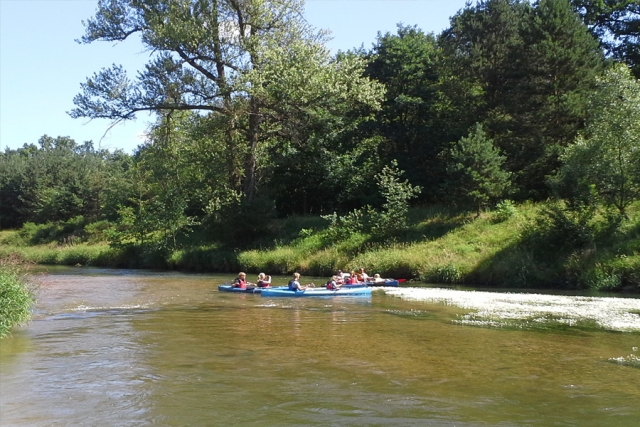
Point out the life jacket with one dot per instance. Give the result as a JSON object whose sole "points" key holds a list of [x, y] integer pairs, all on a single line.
{"points": [[331, 285], [240, 283], [294, 285]]}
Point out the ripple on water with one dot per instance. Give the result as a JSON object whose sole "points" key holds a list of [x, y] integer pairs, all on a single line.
{"points": [[532, 310], [631, 360]]}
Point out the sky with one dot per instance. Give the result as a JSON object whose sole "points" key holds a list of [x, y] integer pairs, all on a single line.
{"points": [[42, 66]]}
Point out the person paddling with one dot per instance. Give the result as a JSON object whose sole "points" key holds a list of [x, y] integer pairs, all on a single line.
{"points": [[353, 278], [362, 276], [264, 280], [332, 284], [241, 281], [294, 284]]}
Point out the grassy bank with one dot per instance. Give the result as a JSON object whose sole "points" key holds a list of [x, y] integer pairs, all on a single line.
{"points": [[532, 247], [15, 300]]}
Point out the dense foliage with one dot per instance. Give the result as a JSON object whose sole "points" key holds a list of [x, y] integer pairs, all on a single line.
{"points": [[604, 163], [256, 120], [59, 179]]}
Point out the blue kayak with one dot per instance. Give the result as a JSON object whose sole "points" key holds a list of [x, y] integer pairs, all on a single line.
{"points": [[317, 292], [387, 282], [256, 290]]}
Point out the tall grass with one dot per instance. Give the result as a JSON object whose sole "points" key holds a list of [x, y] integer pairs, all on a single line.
{"points": [[15, 300], [81, 254]]}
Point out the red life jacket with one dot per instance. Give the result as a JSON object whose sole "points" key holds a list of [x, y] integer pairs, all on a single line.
{"points": [[240, 283]]}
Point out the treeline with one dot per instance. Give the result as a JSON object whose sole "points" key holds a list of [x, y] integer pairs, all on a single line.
{"points": [[257, 120]]}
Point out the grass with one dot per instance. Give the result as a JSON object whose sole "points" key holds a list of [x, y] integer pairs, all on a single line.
{"points": [[441, 246], [81, 254], [15, 300]]}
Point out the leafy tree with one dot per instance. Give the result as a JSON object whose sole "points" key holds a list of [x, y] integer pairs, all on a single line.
{"points": [[605, 160], [407, 64], [475, 171], [385, 221], [397, 194], [616, 23], [250, 66], [316, 146], [58, 180]]}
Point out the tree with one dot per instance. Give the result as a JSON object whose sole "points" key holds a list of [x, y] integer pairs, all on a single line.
{"points": [[559, 65], [396, 193], [483, 43], [534, 66], [59, 179], [247, 65], [616, 23], [407, 64], [606, 156], [474, 166]]}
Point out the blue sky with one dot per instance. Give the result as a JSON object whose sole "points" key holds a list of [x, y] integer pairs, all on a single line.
{"points": [[41, 66]]}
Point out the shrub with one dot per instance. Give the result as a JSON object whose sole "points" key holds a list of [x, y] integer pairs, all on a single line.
{"points": [[600, 280], [505, 209], [98, 231], [448, 273]]}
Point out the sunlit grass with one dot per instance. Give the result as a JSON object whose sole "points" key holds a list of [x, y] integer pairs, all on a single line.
{"points": [[81, 254], [442, 245]]}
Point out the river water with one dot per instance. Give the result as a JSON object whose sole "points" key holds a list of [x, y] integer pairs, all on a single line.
{"points": [[132, 348]]}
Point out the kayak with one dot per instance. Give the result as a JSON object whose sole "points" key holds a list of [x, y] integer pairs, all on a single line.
{"points": [[387, 282], [229, 288], [317, 292]]}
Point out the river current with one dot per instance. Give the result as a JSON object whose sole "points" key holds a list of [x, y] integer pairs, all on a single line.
{"points": [[138, 348]]}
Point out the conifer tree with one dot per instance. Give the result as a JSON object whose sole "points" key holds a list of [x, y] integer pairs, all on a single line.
{"points": [[558, 69], [476, 175]]}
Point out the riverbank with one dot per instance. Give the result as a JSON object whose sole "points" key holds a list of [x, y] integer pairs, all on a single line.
{"points": [[532, 246]]}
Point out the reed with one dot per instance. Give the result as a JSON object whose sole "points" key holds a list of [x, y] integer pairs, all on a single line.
{"points": [[15, 299]]}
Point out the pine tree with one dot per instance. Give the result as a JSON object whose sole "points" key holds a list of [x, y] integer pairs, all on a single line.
{"points": [[558, 72], [474, 166]]}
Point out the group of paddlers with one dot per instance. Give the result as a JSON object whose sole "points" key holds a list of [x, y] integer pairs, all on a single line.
{"points": [[335, 282], [264, 281]]}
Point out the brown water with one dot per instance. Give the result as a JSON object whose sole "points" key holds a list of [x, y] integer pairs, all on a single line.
{"points": [[126, 348]]}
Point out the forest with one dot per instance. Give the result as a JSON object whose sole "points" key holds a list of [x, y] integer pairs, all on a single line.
{"points": [[263, 140]]}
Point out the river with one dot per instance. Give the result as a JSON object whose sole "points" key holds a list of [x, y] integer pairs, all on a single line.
{"points": [[138, 348]]}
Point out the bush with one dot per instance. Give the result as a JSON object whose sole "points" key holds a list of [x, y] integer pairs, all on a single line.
{"points": [[443, 274], [505, 210], [70, 231], [600, 280], [98, 231], [15, 300]]}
